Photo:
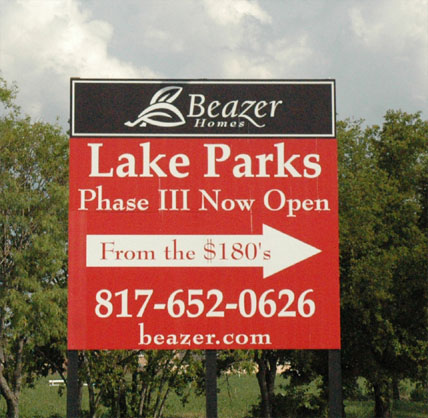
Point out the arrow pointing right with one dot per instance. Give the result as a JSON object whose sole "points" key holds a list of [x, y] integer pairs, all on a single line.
{"points": [[285, 251], [188, 251]]}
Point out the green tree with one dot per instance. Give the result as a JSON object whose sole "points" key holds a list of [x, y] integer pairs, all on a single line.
{"points": [[383, 236], [299, 368], [267, 362], [136, 383], [383, 195], [33, 219]]}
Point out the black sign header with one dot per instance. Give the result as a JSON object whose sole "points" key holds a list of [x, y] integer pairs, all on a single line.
{"points": [[203, 108]]}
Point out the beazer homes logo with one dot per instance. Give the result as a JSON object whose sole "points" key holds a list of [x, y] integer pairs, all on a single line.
{"points": [[203, 112]]}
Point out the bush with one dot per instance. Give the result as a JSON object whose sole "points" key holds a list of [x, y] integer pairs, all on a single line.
{"points": [[357, 390], [295, 402], [419, 393]]}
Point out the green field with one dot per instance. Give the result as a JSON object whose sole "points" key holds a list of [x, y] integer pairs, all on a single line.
{"points": [[236, 396]]}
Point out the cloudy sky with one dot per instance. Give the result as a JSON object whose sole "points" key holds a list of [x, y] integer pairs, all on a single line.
{"points": [[376, 50]]}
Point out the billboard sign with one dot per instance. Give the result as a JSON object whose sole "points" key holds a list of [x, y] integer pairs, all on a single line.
{"points": [[203, 214]]}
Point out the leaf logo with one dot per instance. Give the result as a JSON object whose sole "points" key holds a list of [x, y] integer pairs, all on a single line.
{"points": [[161, 111]]}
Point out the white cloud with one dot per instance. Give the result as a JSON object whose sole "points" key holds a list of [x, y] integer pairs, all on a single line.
{"points": [[243, 66], [280, 58], [394, 35], [377, 50], [392, 25], [225, 12], [290, 53], [56, 38]]}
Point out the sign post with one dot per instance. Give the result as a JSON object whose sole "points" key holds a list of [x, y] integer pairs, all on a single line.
{"points": [[203, 215], [73, 389], [211, 383], [335, 400]]}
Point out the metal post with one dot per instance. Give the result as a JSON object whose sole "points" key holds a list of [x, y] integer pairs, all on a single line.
{"points": [[335, 402], [211, 383], [73, 390]]}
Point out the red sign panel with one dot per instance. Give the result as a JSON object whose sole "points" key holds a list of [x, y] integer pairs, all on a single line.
{"points": [[203, 243]]}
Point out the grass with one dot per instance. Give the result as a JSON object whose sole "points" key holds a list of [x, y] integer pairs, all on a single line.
{"points": [[404, 408], [42, 401], [401, 409], [236, 396]]}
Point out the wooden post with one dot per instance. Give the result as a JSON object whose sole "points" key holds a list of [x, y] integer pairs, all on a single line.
{"points": [[211, 383], [335, 402], [73, 390]]}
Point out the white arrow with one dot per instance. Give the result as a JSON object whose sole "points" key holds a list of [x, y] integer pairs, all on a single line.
{"points": [[273, 250]]}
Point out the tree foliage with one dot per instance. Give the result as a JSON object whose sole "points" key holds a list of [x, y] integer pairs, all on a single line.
{"points": [[136, 383], [383, 236], [33, 226], [383, 198]]}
